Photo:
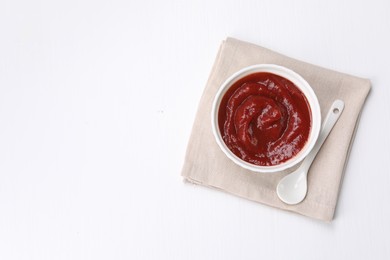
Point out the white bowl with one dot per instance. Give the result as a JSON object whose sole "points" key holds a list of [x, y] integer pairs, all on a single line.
{"points": [[301, 84]]}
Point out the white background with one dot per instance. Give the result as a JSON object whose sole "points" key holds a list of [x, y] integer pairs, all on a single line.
{"points": [[97, 101]]}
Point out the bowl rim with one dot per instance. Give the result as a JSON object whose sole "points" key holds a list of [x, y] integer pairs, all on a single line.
{"points": [[301, 83]]}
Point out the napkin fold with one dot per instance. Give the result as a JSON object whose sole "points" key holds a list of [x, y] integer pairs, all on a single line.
{"points": [[205, 164]]}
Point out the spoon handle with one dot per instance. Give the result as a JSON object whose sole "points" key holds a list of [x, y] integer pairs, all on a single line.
{"points": [[330, 120]]}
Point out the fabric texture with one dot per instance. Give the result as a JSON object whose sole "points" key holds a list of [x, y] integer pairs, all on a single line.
{"points": [[205, 164]]}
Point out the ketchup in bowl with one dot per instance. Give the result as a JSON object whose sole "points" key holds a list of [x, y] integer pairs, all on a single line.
{"points": [[264, 119]]}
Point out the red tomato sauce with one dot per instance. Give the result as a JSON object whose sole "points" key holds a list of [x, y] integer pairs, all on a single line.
{"points": [[264, 119]]}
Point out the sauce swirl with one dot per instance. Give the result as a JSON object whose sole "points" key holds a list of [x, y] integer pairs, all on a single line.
{"points": [[264, 119]]}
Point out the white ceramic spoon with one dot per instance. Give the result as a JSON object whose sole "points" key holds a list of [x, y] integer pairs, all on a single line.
{"points": [[292, 188]]}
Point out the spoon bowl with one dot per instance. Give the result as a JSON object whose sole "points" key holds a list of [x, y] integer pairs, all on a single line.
{"points": [[293, 188]]}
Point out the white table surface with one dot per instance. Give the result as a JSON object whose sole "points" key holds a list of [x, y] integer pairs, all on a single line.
{"points": [[97, 101]]}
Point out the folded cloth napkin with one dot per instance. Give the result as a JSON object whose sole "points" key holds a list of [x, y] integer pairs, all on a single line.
{"points": [[205, 164]]}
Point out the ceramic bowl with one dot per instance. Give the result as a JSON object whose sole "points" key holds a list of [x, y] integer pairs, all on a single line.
{"points": [[301, 84]]}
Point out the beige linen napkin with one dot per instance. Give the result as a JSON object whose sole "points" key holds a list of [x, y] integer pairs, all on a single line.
{"points": [[207, 165]]}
